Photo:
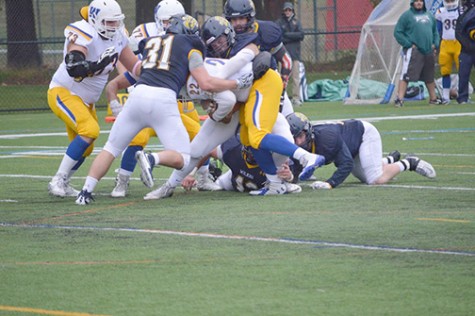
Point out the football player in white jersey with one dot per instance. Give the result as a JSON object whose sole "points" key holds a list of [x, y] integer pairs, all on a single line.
{"points": [[91, 51], [446, 17]]}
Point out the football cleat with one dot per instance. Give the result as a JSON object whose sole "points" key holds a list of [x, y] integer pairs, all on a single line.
{"points": [[59, 186], [310, 162], [272, 188], [146, 168], [396, 155], [162, 192], [84, 198], [292, 188], [205, 183], [121, 185], [421, 167]]}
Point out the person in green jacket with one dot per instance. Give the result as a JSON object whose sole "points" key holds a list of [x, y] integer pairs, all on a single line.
{"points": [[416, 31]]}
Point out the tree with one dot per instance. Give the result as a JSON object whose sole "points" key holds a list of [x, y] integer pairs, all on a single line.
{"points": [[22, 45]]}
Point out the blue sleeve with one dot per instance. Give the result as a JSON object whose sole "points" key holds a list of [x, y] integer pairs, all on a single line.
{"points": [[344, 164]]}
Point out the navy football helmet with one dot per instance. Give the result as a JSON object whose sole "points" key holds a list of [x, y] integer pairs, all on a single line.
{"points": [[240, 8], [219, 36], [299, 124], [183, 24]]}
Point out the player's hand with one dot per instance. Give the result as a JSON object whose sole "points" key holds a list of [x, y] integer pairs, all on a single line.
{"points": [[245, 81], [107, 57], [115, 107], [284, 173], [321, 185], [188, 183]]}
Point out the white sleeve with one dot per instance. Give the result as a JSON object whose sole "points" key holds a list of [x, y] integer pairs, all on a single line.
{"points": [[236, 63]]}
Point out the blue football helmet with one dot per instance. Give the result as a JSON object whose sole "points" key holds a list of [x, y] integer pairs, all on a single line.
{"points": [[219, 36], [240, 8]]}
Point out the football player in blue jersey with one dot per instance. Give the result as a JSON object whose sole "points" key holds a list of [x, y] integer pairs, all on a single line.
{"points": [[168, 61], [92, 48], [354, 147], [244, 174], [241, 14]]}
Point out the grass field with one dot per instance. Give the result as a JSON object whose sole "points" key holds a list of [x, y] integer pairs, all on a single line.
{"points": [[406, 248]]}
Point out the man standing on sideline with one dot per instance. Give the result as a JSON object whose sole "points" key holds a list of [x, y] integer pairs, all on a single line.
{"points": [[292, 35], [416, 31]]}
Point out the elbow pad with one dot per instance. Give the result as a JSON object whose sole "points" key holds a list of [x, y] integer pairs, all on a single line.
{"points": [[77, 65], [261, 64]]}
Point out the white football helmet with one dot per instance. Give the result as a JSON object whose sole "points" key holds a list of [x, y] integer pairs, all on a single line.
{"points": [[106, 17], [451, 4], [164, 10]]}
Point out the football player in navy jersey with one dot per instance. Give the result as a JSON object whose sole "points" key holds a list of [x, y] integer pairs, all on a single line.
{"points": [[354, 147], [241, 14], [168, 61], [244, 174]]}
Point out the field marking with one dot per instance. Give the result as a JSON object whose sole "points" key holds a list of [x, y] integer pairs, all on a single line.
{"points": [[249, 238], [369, 119], [448, 220], [43, 311]]}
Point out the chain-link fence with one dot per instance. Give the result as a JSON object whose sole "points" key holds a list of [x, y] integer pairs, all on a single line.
{"points": [[28, 59]]}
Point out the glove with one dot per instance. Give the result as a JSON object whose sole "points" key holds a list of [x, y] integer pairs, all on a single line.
{"points": [[318, 185], [115, 107], [245, 81], [107, 57]]}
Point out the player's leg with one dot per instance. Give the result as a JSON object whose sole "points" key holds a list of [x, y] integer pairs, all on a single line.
{"points": [[82, 128], [445, 63]]}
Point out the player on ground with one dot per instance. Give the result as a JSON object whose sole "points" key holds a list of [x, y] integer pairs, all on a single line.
{"points": [[91, 51], [355, 147]]}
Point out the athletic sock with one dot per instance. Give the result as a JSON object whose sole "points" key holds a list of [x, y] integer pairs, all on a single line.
{"points": [[129, 162]]}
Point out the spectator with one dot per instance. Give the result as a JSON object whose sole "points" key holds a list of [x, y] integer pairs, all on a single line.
{"points": [[464, 32], [292, 35], [416, 31]]}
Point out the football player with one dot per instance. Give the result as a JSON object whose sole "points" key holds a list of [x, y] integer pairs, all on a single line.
{"points": [[241, 14], [91, 51], [449, 52], [164, 10], [354, 147], [167, 62]]}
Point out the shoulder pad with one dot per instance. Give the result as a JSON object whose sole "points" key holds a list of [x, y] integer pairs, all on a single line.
{"points": [[80, 33]]}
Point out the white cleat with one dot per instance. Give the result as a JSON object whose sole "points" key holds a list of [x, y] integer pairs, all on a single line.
{"points": [[272, 188], [146, 170], [421, 167], [204, 182], [310, 162], [59, 186], [121, 186], [293, 188], [162, 192]]}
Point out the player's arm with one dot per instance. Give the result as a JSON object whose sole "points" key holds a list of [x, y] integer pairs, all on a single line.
{"points": [[210, 83], [235, 63], [283, 57], [130, 61], [344, 163]]}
